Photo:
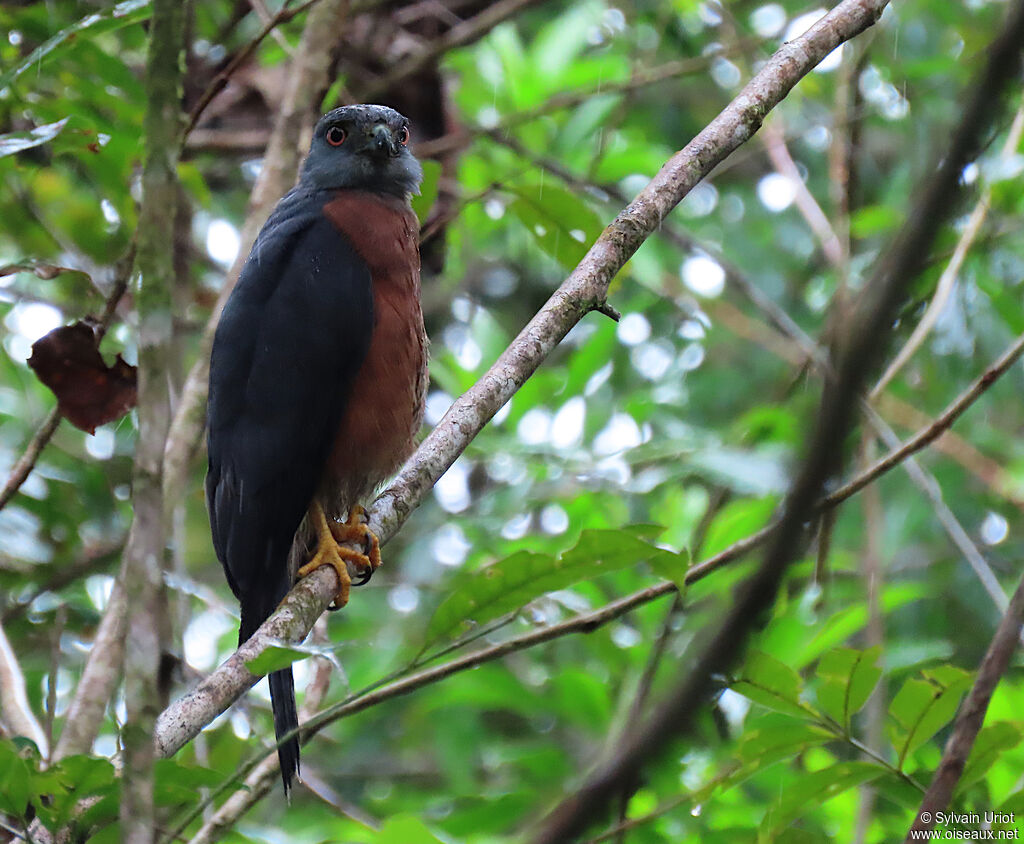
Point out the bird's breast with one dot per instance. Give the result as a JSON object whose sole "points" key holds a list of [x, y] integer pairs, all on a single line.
{"points": [[384, 410]]}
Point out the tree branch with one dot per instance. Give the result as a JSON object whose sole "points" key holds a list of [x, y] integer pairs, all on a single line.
{"points": [[971, 715], [147, 538], [15, 711], [103, 667], [944, 287]]}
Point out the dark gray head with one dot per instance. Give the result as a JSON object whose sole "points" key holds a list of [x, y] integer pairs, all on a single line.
{"points": [[363, 147]]}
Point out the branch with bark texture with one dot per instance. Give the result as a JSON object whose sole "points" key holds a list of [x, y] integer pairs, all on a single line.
{"points": [[584, 290], [146, 619]]}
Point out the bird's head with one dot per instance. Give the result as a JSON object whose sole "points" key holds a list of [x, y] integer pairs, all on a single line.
{"points": [[363, 147]]}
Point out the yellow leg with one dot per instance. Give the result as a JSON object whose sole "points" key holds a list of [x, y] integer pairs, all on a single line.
{"points": [[330, 553]]}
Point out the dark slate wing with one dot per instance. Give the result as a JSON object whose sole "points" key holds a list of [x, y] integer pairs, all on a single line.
{"points": [[292, 337]]}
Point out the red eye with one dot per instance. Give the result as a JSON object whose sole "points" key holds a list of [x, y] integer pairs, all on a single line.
{"points": [[336, 136], [403, 135]]}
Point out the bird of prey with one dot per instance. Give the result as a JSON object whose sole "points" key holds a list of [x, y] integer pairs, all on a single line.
{"points": [[317, 376]]}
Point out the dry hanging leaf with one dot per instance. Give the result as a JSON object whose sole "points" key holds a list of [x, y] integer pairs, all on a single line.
{"points": [[89, 393]]}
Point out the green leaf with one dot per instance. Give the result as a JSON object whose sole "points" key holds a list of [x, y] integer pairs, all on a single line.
{"points": [[736, 520], [815, 787], [123, 14], [991, 743], [14, 780], [672, 567], [778, 740], [843, 624], [405, 829], [849, 678], [922, 707], [510, 584], [874, 219], [274, 658], [770, 683], [424, 201], [560, 221]]}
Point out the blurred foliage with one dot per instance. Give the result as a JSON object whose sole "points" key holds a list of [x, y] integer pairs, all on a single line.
{"points": [[687, 415]]}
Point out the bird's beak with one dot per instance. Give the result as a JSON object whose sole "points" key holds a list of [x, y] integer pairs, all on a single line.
{"points": [[382, 142]]}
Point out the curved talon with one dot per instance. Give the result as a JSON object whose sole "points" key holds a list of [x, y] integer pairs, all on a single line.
{"points": [[329, 551], [355, 529]]}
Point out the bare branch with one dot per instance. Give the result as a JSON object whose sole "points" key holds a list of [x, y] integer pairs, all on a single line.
{"points": [[102, 669], [933, 431], [260, 779], [220, 81], [465, 32], [944, 288], [971, 715], [774, 139], [15, 710], [27, 462]]}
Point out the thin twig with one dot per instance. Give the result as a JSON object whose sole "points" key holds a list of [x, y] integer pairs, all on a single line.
{"points": [[774, 138], [27, 462], [465, 32], [933, 431], [945, 285], [641, 77], [220, 81]]}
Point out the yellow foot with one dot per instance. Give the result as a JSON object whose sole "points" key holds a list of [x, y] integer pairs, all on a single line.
{"points": [[330, 553]]}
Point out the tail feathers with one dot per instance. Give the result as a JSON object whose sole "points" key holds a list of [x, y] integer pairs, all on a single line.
{"points": [[282, 691], [286, 719]]}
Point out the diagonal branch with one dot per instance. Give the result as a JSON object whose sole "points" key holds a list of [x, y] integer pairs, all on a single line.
{"points": [[584, 290], [465, 32], [15, 710], [971, 715]]}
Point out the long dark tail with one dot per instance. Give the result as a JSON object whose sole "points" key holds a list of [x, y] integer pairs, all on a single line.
{"points": [[282, 688]]}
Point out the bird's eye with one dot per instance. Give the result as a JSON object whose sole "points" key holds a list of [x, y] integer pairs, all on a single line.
{"points": [[336, 136], [403, 135]]}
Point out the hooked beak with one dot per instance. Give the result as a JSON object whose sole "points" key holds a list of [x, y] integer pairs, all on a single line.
{"points": [[382, 143]]}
